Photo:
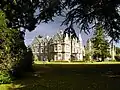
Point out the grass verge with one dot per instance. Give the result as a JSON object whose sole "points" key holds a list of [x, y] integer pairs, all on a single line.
{"points": [[40, 62]]}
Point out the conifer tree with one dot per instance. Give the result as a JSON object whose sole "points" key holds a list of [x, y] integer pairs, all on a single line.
{"points": [[100, 44]]}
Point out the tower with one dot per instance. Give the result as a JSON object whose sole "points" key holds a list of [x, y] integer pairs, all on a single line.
{"points": [[81, 47], [90, 48], [113, 51]]}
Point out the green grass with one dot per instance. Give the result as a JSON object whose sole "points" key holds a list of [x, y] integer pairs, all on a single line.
{"points": [[70, 77], [5, 86], [9, 86], [40, 62]]}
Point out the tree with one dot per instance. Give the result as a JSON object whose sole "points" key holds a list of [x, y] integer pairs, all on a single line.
{"points": [[28, 61], [89, 50], [117, 56], [117, 50], [13, 52], [100, 44], [84, 13]]}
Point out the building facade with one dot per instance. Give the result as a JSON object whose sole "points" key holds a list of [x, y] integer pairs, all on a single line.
{"points": [[58, 47]]}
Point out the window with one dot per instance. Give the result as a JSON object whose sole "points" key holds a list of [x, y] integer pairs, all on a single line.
{"points": [[42, 50], [59, 48], [67, 48], [55, 47], [59, 55], [55, 57], [46, 50], [41, 44]]}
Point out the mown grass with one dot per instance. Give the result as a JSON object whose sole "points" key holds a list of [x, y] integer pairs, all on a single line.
{"points": [[5, 86], [108, 62], [70, 77], [9, 86]]}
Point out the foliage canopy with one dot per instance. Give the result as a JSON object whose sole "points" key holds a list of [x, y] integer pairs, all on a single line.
{"points": [[84, 13], [14, 56], [118, 50], [100, 44], [12, 48]]}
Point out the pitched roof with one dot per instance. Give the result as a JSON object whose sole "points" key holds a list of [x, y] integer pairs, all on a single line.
{"points": [[58, 36]]}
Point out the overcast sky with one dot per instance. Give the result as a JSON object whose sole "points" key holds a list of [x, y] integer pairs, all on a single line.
{"points": [[50, 29]]}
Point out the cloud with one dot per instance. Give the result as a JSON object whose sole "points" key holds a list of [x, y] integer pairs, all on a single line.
{"points": [[50, 29], [43, 30]]}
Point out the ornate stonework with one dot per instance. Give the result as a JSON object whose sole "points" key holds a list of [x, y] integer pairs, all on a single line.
{"points": [[58, 47]]}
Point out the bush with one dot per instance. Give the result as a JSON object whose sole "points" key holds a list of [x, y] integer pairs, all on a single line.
{"points": [[86, 57], [117, 58], [5, 77]]}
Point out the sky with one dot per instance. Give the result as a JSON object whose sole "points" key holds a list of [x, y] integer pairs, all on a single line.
{"points": [[50, 29]]}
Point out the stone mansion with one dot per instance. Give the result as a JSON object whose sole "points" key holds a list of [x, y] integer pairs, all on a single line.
{"points": [[58, 47]]}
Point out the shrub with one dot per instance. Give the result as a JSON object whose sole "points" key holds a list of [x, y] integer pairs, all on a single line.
{"points": [[86, 57], [117, 58], [5, 77], [14, 57]]}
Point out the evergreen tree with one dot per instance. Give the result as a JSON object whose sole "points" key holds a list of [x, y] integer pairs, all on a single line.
{"points": [[117, 56], [12, 51], [83, 13], [100, 44], [117, 50], [89, 50]]}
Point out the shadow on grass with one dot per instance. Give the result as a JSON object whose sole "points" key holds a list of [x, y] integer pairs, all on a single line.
{"points": [[71, 77]]}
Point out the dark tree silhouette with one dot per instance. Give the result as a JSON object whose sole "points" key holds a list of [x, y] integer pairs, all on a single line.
{"points": [[84, 13]]}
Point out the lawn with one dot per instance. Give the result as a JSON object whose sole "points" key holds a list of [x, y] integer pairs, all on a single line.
{"points": [[107, 62], [70, 77]]}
